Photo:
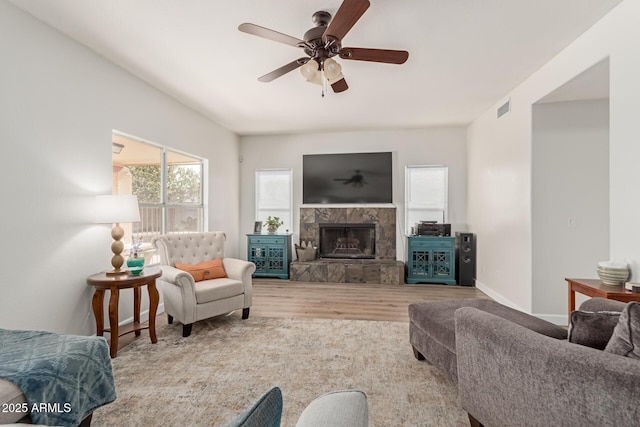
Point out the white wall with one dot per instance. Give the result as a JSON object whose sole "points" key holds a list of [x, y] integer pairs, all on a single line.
{"points": [[499, 157], [570, 160], [58, 106], [445, 146]]}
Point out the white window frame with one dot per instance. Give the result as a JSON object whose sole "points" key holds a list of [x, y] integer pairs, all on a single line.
{"points": [[163, 203], [287, 209], [442, 213]]}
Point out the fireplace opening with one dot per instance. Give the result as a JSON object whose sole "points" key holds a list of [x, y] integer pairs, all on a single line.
{"points": [[347, 241]]}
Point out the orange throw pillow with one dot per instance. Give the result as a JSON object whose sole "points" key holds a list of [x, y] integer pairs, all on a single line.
{"points": [[204, 270]]}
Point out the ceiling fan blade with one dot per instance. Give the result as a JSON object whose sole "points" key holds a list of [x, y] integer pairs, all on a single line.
{"points": [[339, 86], [259, 31], [346, 17], [279, 72], [374, 55]]}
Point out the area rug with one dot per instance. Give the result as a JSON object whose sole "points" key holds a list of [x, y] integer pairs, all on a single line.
{"points": [[227, 363]]}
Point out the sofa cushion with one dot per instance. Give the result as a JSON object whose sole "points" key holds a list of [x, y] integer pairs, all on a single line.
{"points": [[266, 412], [11, 397], [602, 304], [347, 408], [592, 329], [217, 289], [625, 340], [436, 318], [204, 270]]}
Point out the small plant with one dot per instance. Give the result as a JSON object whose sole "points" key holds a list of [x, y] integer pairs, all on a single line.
{"points": [[272, 223], [135, 247]]}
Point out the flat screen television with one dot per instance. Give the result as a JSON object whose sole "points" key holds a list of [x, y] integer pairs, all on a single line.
{"points": [[347, 178]]}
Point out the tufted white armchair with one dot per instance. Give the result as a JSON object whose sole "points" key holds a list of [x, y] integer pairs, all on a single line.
{"points": [[188, 301]]}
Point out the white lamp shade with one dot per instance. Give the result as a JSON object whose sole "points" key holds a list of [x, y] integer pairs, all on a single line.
{"points": [[117, 208]]}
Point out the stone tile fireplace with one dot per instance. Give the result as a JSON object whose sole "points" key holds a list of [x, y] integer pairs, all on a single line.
{"points": [[353, 241], [384, 220], [361, 246]]}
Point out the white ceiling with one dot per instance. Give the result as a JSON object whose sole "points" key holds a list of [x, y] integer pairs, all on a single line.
{"points": [[465, 55]]}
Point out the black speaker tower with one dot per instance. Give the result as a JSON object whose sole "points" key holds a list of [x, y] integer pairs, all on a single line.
{"points": [[466, 259]]}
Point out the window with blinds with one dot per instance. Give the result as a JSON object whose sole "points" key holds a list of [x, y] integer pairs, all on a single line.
{"points": [[274, 196], [426, 189]]}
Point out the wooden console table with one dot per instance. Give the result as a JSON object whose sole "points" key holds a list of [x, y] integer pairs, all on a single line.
{"points": [[103, 283], [595, 288]]}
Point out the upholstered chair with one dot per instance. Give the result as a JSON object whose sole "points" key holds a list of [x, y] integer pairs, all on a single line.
{"points": [[189, 301]]}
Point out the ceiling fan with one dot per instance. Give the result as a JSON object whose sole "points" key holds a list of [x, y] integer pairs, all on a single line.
{"points": [[322, 43]]}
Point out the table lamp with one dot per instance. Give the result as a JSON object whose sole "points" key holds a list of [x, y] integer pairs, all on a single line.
{"points": [[114, 209]]}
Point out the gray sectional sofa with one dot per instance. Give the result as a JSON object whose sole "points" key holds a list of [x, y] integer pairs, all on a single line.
{"points": [[432, 329], [509, 375], [514, 374]]}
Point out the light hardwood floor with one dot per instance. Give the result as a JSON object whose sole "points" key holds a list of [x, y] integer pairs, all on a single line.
{"points": [[354, 301]]}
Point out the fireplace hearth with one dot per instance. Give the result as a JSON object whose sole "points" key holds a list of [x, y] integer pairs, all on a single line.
{"points": [[353, 241]]}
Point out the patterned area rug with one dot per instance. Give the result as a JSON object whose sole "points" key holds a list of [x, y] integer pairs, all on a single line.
{"points": [[227, 363]]}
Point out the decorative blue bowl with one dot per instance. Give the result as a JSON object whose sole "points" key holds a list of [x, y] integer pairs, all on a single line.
{"points": [[135, 266]]}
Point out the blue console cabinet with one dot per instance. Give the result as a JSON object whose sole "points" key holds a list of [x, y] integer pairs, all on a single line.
{"points": [[271, 253], [431, 260]]}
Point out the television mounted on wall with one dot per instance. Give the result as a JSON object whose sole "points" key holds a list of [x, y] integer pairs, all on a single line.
{"points": [[347, 178]]}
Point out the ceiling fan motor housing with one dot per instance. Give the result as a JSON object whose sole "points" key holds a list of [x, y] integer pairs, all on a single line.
{"points": [[321, 18], [315, 46]]}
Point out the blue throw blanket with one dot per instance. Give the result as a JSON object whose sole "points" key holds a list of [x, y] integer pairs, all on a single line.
{"points": [[64, 377]]}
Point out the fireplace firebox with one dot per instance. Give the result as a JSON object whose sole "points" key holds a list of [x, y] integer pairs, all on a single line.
{"points": [[348, 241]]}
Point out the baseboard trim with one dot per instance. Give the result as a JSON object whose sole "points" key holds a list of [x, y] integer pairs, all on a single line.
{"points": [[498, 297], [144, 316], [557, 319]]}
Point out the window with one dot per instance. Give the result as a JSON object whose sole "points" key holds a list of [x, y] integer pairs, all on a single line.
{"points": [[168, 183], [426, 189], [273, 196]]}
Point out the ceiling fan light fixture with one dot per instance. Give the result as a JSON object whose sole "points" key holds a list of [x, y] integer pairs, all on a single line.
{"points": [[323, 42], [316, 80], [332, 70], [336, 79], [311, 72]]}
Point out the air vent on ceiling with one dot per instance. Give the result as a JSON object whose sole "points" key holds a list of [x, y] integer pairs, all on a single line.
{"points": [[504, 108]]}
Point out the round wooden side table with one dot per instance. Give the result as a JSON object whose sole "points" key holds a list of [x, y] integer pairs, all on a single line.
{"points": [[101, 282]]}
